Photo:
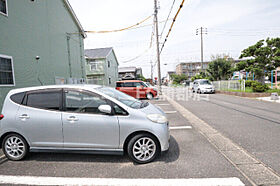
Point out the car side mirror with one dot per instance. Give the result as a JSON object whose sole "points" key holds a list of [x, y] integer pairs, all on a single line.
{"points": [[105, 109]]}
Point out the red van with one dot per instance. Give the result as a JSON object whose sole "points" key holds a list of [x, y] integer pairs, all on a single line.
{"points": [[137, 89]]}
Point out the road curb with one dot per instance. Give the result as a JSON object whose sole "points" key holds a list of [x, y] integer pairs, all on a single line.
{"points": [[250, 167]]}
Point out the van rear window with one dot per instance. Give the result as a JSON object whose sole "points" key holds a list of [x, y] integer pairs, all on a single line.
{"points": [[17, 98], [119, 84]]}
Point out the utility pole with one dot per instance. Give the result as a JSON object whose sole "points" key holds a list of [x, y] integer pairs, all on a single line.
{"points": [[152, 69], [157, 44], [201, 31]]}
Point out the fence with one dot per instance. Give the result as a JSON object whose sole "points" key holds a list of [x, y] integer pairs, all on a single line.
{"points": [[229, 85]]}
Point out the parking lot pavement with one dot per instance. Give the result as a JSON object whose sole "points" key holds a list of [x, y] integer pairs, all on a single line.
{"points": [[190, 156]]}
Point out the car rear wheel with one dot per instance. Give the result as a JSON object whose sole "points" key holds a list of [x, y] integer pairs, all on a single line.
{"points": [[143, 148], [149, 96], [14, 147]]}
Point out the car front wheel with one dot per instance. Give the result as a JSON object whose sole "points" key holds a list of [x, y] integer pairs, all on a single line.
{"points": [[143, 148], [14, 147], [149, 96]]}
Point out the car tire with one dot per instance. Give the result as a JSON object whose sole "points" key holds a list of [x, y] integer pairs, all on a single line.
{"points": [[143, 148], [149, 96], [15, 147]]}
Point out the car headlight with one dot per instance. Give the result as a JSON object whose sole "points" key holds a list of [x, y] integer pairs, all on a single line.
{"points": [[157, 118]]}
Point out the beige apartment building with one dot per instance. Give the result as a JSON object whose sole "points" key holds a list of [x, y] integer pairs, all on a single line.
{"points": [[190, 68]]}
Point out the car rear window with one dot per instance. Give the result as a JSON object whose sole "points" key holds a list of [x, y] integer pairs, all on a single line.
{"points": [[119, 84], [17, 98], [44, 100]]}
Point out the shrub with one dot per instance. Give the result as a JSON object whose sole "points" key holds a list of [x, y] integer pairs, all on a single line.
{"points": [[258, 87], [248, 83]]}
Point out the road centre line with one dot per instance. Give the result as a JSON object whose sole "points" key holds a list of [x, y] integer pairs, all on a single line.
{"points": [[34, 180], [180, 127]]}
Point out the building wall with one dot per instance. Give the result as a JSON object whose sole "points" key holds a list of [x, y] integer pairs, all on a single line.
{"points": [[96, 76], [191, 68], [40, 28], [107, 75], [112, 71]]}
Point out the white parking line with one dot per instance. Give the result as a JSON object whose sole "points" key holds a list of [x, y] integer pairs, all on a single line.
{"points": [[32, 180], [180, 127], [170, 112]]}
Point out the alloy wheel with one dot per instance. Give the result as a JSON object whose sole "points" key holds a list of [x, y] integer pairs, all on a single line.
{"points": [[144, 149], [15, 147]]}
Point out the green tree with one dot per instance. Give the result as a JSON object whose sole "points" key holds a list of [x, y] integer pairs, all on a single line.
{"points": [[201, 75], [220, 68], [140, 77], [262, 57], [178, 78]]}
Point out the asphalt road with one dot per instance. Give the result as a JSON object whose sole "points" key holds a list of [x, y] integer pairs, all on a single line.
{"points": [[190, 156], [250, 123]]}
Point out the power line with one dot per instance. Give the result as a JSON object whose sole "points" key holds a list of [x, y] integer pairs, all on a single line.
{"points": [[167, 18], [150, 46], [118, 30], [174, 19]]}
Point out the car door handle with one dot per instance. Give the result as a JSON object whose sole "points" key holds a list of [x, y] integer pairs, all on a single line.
{"points": [[72, 118], [24, 116]]}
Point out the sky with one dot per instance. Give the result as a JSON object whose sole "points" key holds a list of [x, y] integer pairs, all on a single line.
{"points": [[232, 25]]}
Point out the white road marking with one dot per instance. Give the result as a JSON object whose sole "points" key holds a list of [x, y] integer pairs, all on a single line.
{"points": [[163, 104], [170, 112], [32, 180], [180, 127]]}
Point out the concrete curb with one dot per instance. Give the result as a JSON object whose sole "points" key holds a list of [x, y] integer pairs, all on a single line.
{"points": [[256, 172], [244, 94]]}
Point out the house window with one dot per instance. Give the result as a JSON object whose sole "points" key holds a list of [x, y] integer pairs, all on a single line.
{"points": [[110, 81], [93, 66], [109, 64], [3, 7], [6, 71]]}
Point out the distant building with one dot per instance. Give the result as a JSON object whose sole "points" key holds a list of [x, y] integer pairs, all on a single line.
{"points": [[101, 66], [190, 69], [167, 79], [41, 43], [129, 73]]}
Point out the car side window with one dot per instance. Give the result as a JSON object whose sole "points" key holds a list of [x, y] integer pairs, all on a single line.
{"points": [[137, 84], [128, 84], [119, 110], [50, 100], [17, 98], [83, 102]]}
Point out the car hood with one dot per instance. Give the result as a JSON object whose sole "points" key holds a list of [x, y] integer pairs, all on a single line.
{"points": [[152, 109]]}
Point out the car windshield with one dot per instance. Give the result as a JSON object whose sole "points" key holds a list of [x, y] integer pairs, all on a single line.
{"points": [[122, 97], [147, 84], [205, 82]]}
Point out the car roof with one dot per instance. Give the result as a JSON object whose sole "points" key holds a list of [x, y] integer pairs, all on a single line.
{"points": [[82, 86], [124, 81]]}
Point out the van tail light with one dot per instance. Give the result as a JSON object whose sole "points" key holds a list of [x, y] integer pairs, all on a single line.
{"points": [[1, 116]]}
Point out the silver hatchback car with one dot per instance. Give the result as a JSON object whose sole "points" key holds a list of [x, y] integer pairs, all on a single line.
{"points": [[83, 118]]}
